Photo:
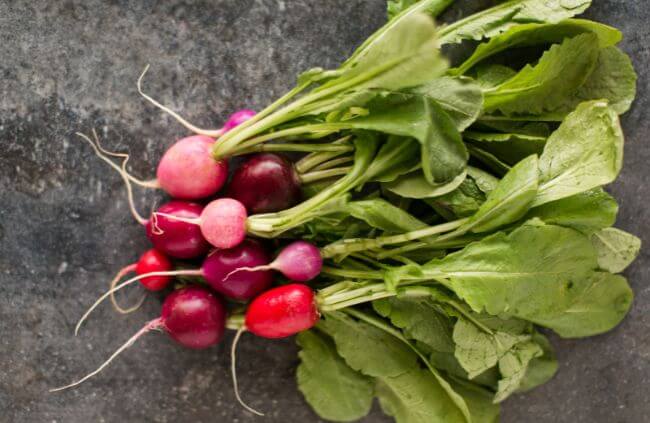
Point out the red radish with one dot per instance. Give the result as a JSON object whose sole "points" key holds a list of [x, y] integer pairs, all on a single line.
{"points": [[193, 316], [222, 222], [216, 269], [151, 261], [244, 285], [299, 261], [282, 311], [265, 183], [171, 234], [188, 171], [237, 118]]}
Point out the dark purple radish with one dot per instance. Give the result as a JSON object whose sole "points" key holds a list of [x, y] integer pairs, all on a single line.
{"points": [[170, 233], [193, 316], [242, 285], [222, 222], [265, 183], [299, 261], [215, 269]]}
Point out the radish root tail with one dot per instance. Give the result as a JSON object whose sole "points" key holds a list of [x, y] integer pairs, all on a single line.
{"points": [[152, 325], [233, 371], [126, 270], [103, 154], [214, 133], [248, 269], [129, 282]]}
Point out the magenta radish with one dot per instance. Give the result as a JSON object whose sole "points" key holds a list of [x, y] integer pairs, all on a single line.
{"points": [[192, 316], [237, 118], [282, 311], [151, 261], [170, 233], [299, 261], [215, 269], [265, 183], [222, 222]]}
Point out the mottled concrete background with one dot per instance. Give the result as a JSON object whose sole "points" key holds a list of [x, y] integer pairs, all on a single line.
{"points": [[64, 225]]}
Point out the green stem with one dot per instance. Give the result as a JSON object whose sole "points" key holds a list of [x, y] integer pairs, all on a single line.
{"points": [[304, 148], [307, 178], [357, 301], [325, 128], [352, 273], [235, 322], [334, 163], [312, 160], [352, 245]]}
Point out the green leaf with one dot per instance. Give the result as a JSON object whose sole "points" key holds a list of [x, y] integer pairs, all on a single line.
{"points": [[542, 368], [419, 321], [396, 157], [464, 201], [498, 19], [529, 273], [381, 214], [443, 152], [416, 397], [616, 249], [586, 212], [613, 79], [431, 7], [404, 53], [592, 305], [415, 185], [513, 366], [585, 152], [478, 351], [492, 75], [479, 401], [532, 34], [483, 180], [509, 201], [547, 85], [508, 147], [367, 349], [460, 97], [334, 390], [490, 161]]}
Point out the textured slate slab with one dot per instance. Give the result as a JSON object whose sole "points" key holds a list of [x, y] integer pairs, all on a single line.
{"points": [[64, 227]]}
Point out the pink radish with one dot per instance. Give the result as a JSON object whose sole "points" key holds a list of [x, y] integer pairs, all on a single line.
{"points": [[265, 183], [151, 261], [299, 261], [222, 222], [170, 233], [282, 311], [188, 171], [237, 118], [193, 316], [215, 269]]}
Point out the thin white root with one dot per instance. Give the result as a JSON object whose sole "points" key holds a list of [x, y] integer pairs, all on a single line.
{"points": [[215, 133], [233, 371], [116, 279], [248, 269], [129, 282], [102, 154], [193, 221], [152, 325]]}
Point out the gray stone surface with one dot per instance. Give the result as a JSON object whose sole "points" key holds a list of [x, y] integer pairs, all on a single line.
{"points": [[64, 226]]}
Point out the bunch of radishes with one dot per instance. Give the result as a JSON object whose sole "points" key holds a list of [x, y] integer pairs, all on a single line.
{"points": [[234, 267]]}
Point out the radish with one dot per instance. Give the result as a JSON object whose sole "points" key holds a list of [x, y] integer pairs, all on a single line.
{"points": [[188, 171], [151, 261], [277, 313], [265, 183], [193, 316], [282, 311], [222, 222], [170, 233], [299, 261], [244, 285], [237, 118], [216, 269]]}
